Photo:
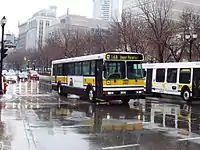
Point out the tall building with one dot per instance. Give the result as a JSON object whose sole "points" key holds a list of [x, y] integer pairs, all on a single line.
{"points": [[177, 6], [32, 33], [106, 9]]}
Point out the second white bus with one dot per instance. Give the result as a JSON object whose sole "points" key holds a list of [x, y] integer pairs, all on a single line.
{"points": [[180, 79]]}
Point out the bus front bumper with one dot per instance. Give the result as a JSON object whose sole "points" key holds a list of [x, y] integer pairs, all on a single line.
{"points": [[129, 95]]}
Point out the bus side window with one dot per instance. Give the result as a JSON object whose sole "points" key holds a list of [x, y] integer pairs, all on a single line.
{"points": [[60, 70], [92, 68], [86, 68], [185, 75], [65, 67], [160, 75], [54, 70], [78, 68], [171, 75], [71, 68]]}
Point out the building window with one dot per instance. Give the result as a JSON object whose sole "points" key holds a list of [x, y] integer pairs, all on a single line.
{"points": [[41, 22], [160, 75], [62, 21], [172, 75], [47, 23]]}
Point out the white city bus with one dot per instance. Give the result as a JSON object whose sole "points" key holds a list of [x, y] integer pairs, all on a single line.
{"points": [[180, 79], [107, 76]]}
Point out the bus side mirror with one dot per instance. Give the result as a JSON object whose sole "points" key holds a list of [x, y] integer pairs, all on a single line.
{"points": [[144, 73]]}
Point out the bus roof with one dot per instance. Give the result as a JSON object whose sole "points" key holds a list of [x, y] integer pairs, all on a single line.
{"points": [[172, 65], [95, 57]]}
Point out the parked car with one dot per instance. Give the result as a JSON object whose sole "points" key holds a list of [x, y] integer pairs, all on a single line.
{"points": [[4, 72], [11, 77], [33, 75], [23, 76]]}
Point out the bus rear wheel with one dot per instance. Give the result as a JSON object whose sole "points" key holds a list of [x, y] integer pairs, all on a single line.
{"points": [[60, 92], [90, 95], [186, 95]]}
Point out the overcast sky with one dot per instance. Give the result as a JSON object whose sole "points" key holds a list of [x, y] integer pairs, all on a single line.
{"points": [[21, 10]]}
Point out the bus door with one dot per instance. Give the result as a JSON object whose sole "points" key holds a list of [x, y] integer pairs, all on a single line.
{"points": [[171, 87], [196, 83], [149, 81], [98, 78]]}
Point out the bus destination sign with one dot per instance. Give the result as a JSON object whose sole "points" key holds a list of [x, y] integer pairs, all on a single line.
{"points": [[124, 57]]}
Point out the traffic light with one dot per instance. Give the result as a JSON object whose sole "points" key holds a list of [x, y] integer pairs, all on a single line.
{"points": [[3, 53]]}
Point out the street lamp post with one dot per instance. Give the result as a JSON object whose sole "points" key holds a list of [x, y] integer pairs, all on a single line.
{"points": [[3, 23], [28, 64], [191, 38]]}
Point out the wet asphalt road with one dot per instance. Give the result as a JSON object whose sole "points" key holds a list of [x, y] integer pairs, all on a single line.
{"points": [[32, 119]]}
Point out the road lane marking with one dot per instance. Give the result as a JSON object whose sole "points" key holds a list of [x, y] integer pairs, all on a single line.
{"points": [[77, 126], [187, 139], [35, 95], [121, 146]]}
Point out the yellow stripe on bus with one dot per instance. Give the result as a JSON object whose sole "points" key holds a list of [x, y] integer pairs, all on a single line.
{"points": [[123, 82], [114, 82], [90, 80], [62, 79], [180, 86]]}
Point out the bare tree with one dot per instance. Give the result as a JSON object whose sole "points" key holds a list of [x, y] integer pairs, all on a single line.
{"points": [[157, 17], [65, 35], [190, 23], [77, 43], [100, 40], [88, 45], [122, 28]]}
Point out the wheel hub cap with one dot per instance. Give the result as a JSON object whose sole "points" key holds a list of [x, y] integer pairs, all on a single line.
{"points": [[91, 95]]}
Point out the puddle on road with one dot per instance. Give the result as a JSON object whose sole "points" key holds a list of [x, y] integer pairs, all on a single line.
{"points": [[47, 117]]}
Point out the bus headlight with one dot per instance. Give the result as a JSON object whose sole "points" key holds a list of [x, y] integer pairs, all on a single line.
{"points": [[123, 92], [109, 93]]}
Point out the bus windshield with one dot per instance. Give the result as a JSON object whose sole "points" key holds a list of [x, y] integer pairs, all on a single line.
{"points": [[114, 70], [134, 70]]}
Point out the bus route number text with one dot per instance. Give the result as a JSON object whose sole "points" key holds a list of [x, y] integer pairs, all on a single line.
{"points": [[123, 57]]}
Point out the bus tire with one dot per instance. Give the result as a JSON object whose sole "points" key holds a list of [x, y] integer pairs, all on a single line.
{"points": [[185, 93], [60, 91], [90, 95]]}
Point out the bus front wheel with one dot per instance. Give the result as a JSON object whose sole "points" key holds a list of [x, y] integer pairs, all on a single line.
{"points": [[186, 94]]}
